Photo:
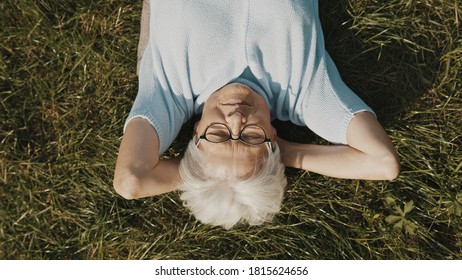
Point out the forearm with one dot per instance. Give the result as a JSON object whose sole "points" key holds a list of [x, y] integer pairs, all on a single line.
{"points": [[139, 172], [143, 181], [336, 161], [369, 154]]}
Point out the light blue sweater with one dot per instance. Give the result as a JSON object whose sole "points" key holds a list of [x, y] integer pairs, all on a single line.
{"points": [[274, 46]]}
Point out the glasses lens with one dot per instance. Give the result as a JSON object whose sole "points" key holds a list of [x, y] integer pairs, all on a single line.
{"points": [[217, 133], [253, 135]]}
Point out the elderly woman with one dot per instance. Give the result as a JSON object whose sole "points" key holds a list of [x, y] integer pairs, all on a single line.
{"points": [[241, 64]]}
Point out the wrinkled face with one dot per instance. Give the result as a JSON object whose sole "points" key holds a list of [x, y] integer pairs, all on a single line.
{"points": [[235, 105]]}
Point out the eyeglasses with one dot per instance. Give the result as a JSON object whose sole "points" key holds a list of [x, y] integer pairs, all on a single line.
{"points": [[251, 135]]}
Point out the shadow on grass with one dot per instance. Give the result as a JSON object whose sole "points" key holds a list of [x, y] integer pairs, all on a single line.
{"points": [[387, 72]]}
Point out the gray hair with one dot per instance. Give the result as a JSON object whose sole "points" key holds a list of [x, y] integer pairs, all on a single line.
{"points": [[228, 201]]}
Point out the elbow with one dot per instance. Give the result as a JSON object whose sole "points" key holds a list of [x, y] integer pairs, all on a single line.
{"points": [[127, 185], [390, 167]]}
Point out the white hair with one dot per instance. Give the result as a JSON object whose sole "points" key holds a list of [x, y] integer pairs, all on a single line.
{"points": [[228, 200]]}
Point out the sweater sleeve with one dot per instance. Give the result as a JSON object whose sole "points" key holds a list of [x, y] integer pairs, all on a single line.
{"points": [[156, 103], [330, 104]]}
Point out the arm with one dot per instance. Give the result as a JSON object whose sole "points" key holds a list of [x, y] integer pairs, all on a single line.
{"points": [[368, 155], [139, 172]]}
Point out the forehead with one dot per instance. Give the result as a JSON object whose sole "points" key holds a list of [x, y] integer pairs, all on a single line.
{"points": [[232, 158]]}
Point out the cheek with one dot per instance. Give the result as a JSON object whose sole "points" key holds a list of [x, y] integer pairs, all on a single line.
{"points": [[209, 115], [263, 117], [199, 127]]}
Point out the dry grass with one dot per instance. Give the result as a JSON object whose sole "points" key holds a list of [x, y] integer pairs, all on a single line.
{"points": [[67, 81]]}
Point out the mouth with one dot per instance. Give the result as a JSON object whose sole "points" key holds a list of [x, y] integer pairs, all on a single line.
{"points": [[235, 102], [235, 95]]}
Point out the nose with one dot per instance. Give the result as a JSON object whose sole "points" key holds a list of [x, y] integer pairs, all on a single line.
{"points": [[235, 121]]}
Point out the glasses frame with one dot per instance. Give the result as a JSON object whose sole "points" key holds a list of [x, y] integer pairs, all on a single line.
{"points": [[266, 141]]}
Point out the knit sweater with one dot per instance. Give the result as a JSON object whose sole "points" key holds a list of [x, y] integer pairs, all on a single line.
{"points": [[276, 47]]}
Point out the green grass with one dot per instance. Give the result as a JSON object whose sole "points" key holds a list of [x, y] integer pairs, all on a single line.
{"points": [[67, 82]]}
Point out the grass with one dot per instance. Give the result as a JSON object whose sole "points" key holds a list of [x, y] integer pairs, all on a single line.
{"points": [[67, 82]]}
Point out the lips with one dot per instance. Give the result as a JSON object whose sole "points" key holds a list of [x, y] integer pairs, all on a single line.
{"points": [[235, 102]]}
